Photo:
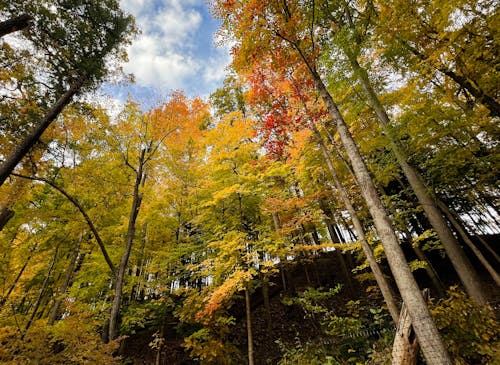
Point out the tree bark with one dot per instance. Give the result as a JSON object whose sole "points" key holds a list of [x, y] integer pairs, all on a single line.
{"points": [[405, 347], [119, 279], [248, 311], [267, 304], [20, 22], [427, 332], [461, 263], [384, 286], [29, 141]]}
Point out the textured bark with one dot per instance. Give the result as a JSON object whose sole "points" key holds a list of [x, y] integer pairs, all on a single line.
{"points": [[461, 263], [20, 22], [425, 328], [120, 276], [405, 347], [29, 141], [248, 311], [379, 276]]}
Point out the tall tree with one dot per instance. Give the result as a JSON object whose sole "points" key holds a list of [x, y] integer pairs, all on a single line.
{"points": [[70, 53], [290, 26]]}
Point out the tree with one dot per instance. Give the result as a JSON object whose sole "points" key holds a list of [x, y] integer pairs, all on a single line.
{"points": [[290, 26], [74, 43]]}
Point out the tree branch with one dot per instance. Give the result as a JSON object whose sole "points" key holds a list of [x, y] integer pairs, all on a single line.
{"points": [[81, 210]]}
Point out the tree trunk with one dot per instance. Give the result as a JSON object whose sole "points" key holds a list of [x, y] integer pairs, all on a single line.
{"points": [[461, 263], [29, 141], [15, 24], [405, 347], [461, 231], [335, 239], [248, 311], [430, 340], [433, 276], [13, 285], [66, 283], [488, 101], [5, 215], [134, 212], [40, 295], [384, 286], [267, 305]]}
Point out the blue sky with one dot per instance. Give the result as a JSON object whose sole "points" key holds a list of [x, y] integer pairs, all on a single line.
{"points": [[176, 50]]}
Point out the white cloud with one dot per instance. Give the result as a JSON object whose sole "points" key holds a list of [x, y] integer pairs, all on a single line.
{"points": [[165, 55]]}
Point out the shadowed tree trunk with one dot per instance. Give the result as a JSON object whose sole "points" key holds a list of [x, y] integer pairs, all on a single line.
{"points": [[54, 313], [41, 294], [379, 276], [134, 212], [29, 141], [5, 215], [15, 24], [430, 340], [248, 311], [463, 234]]}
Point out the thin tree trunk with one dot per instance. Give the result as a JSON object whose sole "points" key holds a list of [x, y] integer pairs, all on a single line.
{"points": [[489, 248], [15, 24], [13, 285], [431, 272], [461, 231], [29, 141], [283, 279], [338, 254], [42, 292], [248, 311], [134, 212], [267, 305], [66, 283], [461, 263], [425, 328], [384, 286]]}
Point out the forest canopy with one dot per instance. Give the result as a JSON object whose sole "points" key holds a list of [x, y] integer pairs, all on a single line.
{"points": [[334, 201]]}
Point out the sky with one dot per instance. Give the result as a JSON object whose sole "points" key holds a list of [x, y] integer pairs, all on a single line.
{"points": [[175, 50]]}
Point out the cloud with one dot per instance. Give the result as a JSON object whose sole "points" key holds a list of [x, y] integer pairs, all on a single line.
{"points": [[175, 47]]}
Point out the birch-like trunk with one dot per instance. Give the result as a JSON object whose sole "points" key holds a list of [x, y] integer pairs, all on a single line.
{"points": [[425, 328], [461, 263]]}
